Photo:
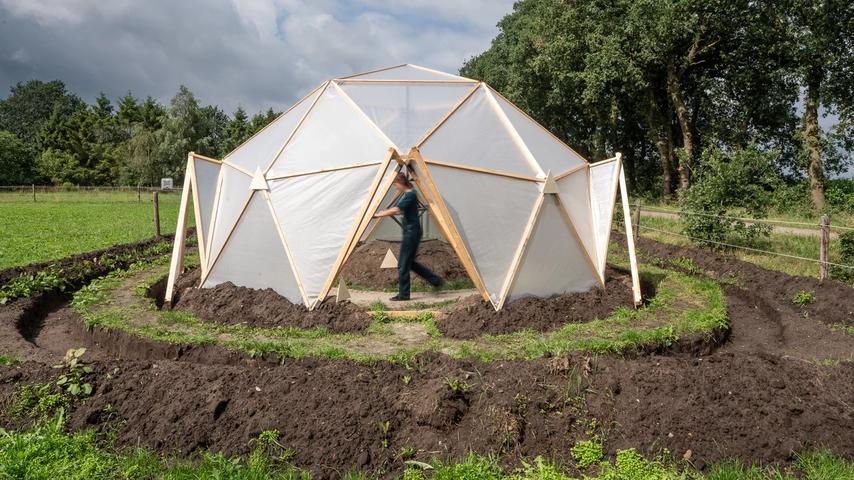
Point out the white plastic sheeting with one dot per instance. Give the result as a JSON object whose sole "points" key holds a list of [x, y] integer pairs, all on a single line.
{"points": [[233, 194], [409, 72], [603, 193], [320, 159], [255, 257], [317, 213], [259, 151], [205, 185], [406, 111], [549, 152], [490, 213], [553, 261], [334, 134], [576, 201], [476, 136]]}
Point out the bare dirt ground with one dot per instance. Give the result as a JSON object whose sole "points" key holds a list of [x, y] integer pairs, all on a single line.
{"points": [[779, 384]]}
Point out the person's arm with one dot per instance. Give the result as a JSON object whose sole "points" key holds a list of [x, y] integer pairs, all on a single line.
{"points": [[388, 212]]}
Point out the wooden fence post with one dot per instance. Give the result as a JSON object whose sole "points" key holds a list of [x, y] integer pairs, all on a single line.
{"points": [[34, 193], [825, 243], [636, 233], [138, 196], [156, 214]]}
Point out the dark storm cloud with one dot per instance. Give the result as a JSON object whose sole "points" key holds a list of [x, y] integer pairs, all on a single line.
{"points": [[256, 53]]}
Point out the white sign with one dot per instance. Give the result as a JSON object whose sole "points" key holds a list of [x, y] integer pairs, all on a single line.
{"points": [[166, 184]]}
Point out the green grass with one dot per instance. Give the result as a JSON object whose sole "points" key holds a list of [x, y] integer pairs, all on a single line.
{"points": [[841, 218], [6, 360], [798, 245], [77, 222], [683, 306], [46, 452]]}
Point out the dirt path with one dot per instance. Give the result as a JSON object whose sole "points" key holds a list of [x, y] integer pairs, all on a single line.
{"points": [[419, 300]]}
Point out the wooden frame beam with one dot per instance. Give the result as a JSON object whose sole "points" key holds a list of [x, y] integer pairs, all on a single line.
{"points": [[227, 237], [298, 125], [487, 171], [176, 263], [520, 250], [630, 238], [321, 170], [587, 258], [202, 157], [445, 118], [440, 213], [201, 235], [354, 231], [571, 171], [367, 80], [511, 130], [281, 234]]}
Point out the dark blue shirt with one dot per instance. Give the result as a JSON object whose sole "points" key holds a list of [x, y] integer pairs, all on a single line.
{"points": [[408, 205]]}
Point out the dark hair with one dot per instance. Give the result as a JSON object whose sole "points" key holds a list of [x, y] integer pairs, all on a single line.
{"points": [[402, 179]]}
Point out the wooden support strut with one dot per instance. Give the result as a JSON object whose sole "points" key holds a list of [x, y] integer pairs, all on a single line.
{"points": [[201, 235], [630, 240], [176, 264], [587, 258], [355, 231], [440, 213], [520, 250]]}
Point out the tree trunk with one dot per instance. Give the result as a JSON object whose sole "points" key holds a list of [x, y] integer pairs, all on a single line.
{"points": [[685, 163], [660, 132], [812, 142]]}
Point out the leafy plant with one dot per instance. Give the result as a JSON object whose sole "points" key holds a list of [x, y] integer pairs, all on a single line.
{"points": [[803, 298], [72, 381], [846, 257], [457, 386], [588, 452], [730, 184]]}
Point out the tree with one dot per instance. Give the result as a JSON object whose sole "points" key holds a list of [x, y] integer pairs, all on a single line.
{"points": [[822, 50], [30, 104], [16, 160], [261, 120], [238, 130], [212, 131]]}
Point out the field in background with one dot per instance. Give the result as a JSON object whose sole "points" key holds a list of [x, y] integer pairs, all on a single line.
{"points": [[64, 223], [790, 244]]}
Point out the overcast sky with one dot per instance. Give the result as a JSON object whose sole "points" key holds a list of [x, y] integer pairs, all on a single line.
{"points": [[254, 53]]}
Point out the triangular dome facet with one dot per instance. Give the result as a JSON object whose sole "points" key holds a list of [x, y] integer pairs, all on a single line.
{"points": [[406, 112], [475, 135], [335, 133], [549, 152], [260, 149]]}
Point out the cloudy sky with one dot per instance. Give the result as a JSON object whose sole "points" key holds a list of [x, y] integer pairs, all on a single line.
{"points": [[254, 53]]}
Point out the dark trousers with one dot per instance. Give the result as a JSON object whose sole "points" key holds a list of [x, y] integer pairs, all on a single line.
{"points": [[406, 262]]}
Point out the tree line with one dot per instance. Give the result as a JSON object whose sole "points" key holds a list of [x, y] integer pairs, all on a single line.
{"points": [[670, 83], [51, 136]]}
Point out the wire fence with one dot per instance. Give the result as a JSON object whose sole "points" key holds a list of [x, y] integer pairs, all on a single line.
{"points": [[742, 247], [61, 194], [746, 220]]}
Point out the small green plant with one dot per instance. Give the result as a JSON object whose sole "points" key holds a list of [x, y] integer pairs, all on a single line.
{"points": [[588, 452], [406, 379], [846, 257], [407, 453], [72, 381], [6, 360], [457, 386], [803, 298]]}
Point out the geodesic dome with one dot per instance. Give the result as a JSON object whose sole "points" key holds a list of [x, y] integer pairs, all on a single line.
{"points": [[524, 212]]}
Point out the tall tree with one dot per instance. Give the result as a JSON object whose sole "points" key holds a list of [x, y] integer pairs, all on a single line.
{"points": [[16, 160], [30, 104], [238, 130], [822, 42]]}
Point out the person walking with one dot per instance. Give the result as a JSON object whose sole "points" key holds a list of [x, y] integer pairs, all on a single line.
{"points": [[407, 207]]}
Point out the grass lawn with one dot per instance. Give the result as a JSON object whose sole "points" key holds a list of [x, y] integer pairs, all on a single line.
{"points": [[62, 224]]}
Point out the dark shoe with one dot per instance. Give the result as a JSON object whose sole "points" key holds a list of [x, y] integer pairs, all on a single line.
{"points": [[398, 298], [438, 286]]}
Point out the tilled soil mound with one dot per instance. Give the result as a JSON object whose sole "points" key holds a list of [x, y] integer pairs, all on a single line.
{"points": [[472, 316], [758, 407], [363, 266], [227, 303]]}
